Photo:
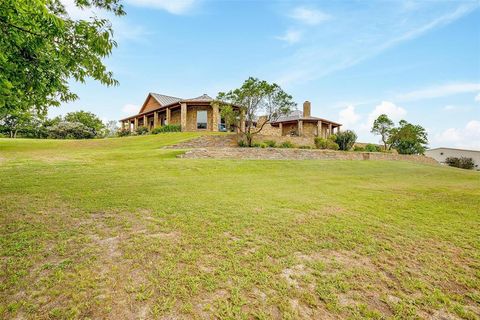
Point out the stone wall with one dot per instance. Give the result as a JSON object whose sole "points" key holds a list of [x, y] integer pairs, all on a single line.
{"points": [[298, 154], [192, 117], [175, 116], [297, 141]]}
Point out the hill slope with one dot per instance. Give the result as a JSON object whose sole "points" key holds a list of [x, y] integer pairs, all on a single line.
{"points": [[120, 228]]}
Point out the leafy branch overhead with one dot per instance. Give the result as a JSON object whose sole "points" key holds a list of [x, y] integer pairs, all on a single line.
{"points": [[253, 99], [42, 48]]}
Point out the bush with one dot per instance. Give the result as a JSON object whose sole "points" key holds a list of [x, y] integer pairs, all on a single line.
{"points": [[270, 143], [70, 130], [167, 128], [462, 162], [123, 133], [242, 144], [321, 143], [259, 145], [141, 130], [305, 147], [286, 144], [358, 148], [372, 148], [345, 139]]}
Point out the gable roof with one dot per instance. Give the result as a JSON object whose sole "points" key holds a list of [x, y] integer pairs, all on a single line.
{"points": [[203, 98], [164, 99]]}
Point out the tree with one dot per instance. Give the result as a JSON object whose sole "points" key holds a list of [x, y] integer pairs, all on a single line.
{"points": [[255, 97], [88, 119], [42, 48], [345, 139], [70, 130], [24, 121], [111, 128], [383, 126], [408, 138]]}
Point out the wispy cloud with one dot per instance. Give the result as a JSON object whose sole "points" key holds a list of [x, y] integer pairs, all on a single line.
{"points": [[309, 16], [171, 6], [477, 98], [348, 116], [355, 36], [291, 36], [439, 91]]}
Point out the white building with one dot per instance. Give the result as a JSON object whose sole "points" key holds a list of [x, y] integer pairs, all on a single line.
{"points": [[440, 154]]}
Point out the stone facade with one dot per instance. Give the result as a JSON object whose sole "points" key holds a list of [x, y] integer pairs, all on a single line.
{"points": [[298, 154]]}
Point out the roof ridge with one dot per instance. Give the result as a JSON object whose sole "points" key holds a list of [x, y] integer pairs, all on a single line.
{"points": [[165, 95]]}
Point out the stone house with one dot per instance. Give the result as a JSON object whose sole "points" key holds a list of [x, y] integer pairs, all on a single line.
{"points": [[199, 114], [195, 114], [301, 124]]}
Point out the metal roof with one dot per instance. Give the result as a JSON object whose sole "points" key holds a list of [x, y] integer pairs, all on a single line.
{"points": [[164, 99], [296, 115], [203, 98]]}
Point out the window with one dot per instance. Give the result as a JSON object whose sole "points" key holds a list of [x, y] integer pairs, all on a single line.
{"points": [[201, 119]]}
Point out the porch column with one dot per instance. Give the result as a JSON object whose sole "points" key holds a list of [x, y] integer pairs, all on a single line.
{"points": [[280, 126], [242, 121], [330, 130], [155, 119], [135, 124], [145, 124], [167, 114], [183, 116], [319, 129], [215, 117], [300, 128]]}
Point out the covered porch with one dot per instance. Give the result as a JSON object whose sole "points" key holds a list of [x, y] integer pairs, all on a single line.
{"points": [[307, 127]]}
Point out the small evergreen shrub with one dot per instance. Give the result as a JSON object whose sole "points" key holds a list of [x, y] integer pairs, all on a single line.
{"points": [[462, 162], [321, 143], [286, 144], [372, 148], [358, 148], [242, 144], [141, 130], [259, 145], [270, 143], [123, 133], [345, 139], [167, 128]]}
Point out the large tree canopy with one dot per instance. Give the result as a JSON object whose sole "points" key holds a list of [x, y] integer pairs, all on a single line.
{"points": [[383, 126], [408, 138], [41, 48], [255, 98]]}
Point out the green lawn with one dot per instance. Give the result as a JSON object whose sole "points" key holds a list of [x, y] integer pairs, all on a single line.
{"points": [[122, 229]]}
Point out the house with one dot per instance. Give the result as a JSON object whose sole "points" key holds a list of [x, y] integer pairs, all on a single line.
{"points": [[199, 114], [440, 154], [195, 114], [301, 124]]}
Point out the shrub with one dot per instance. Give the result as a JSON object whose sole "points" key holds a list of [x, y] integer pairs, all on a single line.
{"points": [[286, 144], [345, 139], [372, 148], [141, 130], [462, 162], [259, 145], [358, 148], [321, 143], [305, 147], [270, 143], [242, 144], [167, 128], [70, 130], [123, 133]]}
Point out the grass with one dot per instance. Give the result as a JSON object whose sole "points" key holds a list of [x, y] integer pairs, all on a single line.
{"points": [[121, 228]]}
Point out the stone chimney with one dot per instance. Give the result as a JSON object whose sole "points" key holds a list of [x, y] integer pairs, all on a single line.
{"points": [[306, 109]]}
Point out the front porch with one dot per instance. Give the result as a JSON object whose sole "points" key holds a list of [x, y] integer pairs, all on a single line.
{"points": [[307, 128]]}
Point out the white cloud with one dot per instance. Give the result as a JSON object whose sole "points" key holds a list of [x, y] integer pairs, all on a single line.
{"points": [[477, 98], [390, 109], [309, 16], [348, 116], [467, 137], [130, 108], [439, 91], [171, 6], [291, 36], [449, 108]]}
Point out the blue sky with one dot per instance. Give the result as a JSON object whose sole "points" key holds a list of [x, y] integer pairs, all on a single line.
{"points": [[414, 60]]}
